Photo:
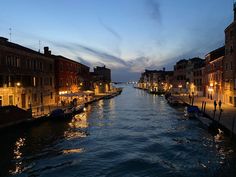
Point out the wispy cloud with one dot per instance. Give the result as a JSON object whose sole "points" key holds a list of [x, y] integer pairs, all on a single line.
{"points": [[111, 30], [90, 56], [154, 10]]}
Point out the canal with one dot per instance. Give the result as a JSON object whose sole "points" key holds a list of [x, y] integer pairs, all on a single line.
{"points": [[134, 134]]}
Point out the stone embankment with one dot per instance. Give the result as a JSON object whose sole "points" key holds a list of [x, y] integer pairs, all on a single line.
{"points": [[11, 116]]}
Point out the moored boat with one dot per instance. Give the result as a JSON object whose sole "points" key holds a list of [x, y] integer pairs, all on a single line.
{"points": [[191, 112]]}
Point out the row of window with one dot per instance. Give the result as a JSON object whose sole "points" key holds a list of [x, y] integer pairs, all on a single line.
{"points": [[68, 82], [197, 73], [25, 81], [198, 82], [229, 66], [71, 67], [11, 98], [27, 63]]}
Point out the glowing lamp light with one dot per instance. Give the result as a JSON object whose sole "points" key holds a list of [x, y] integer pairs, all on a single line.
{"points": [[18, 84], [180, 86], [210, 89]]}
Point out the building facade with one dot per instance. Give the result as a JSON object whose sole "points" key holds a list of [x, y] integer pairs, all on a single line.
{"points": [[71, 77], [101, 80], [26, 76], [214, 74], [180, 82], [229, 68], [156, 80]]}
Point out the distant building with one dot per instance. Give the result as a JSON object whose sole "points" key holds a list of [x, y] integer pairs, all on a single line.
{"points": [[195, 84], [26, 76], [214, 74], [199, 79], [101, 80], [156, 80], [187, 76], [180, 81], [229, 68], [104, 72]]}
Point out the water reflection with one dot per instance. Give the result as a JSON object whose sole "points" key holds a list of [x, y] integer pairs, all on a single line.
{"points": [[17, 156], [72, 151], [134, 134]]}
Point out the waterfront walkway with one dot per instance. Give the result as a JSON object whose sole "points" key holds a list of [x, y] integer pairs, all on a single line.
{"points": [[227, 117]]}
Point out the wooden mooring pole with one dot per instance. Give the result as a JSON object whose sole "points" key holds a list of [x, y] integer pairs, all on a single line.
{"points": [[232, 130], [204, 107], [214, 114], [221, 110]]}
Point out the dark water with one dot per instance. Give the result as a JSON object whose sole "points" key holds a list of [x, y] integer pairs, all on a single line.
{"points": [[134, 134]]}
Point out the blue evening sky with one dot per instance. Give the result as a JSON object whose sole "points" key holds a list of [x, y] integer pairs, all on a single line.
{"points": [[125, 35]]}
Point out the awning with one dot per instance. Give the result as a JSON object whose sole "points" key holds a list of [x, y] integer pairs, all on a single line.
{"points": [[72, 94], [87, 92]]}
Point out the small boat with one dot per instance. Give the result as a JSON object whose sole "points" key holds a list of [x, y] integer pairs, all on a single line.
{"points": [[191, 112], [67, 113], [78, 109], [57, 113]]}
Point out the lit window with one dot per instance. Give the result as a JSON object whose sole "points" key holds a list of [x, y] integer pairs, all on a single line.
{"points": [[34, 80], [1, 101]]}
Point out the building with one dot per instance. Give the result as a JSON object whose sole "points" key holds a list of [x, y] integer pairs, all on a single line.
{"points": [[229, 68], [214, 74], [101, 80], [198, 84], [188, 76], [180, 81], [156, 80], [26, 76], [194, 79], [71, 77]]}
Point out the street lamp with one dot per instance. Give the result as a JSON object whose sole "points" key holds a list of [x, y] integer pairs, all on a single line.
{"points": [[18, 84]]}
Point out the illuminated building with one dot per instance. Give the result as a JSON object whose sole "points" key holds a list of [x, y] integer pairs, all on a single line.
{"points": [[214, 74], [229, 68], [71, 78], [156, 80], [26, 76], [101, 80]]}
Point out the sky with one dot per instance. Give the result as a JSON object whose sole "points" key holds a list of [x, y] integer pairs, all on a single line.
{"points": [[128, 36]]}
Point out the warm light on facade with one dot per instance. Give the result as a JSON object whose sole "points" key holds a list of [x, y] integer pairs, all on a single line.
{"points": [[63, 92], [180, 86], [210, 89]]}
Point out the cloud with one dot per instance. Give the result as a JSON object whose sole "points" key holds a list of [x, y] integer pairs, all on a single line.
{"points": [[154, 10], [90, 55], [111, 30]]}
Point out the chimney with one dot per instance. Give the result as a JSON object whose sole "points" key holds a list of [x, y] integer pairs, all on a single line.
{"points": [[47, 51]]}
